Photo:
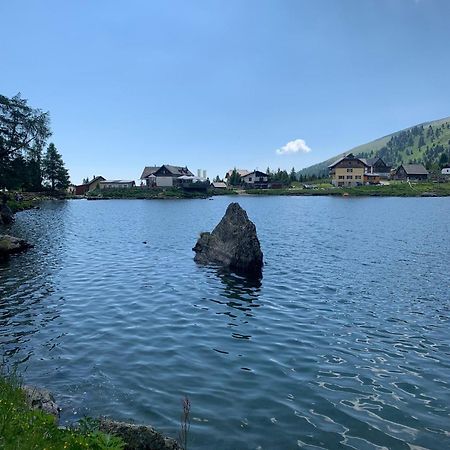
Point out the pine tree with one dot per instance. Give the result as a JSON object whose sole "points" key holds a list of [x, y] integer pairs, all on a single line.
{"points": [[53, 169], [293, 175]]}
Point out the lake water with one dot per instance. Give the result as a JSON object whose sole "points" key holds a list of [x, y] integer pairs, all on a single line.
{"points": [[345, 343]]}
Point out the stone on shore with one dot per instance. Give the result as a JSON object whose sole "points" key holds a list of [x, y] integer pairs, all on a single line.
{"points": [[138, 437], [41, 399], [11, 244], [233, 244], [6, 215]]}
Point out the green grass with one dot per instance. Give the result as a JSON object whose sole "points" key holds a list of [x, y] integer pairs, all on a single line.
{"points": [[138, 193], [394, 189], [24, 429]]}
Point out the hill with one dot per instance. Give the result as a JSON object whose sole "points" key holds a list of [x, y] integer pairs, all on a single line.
{"points": [[427, 143]]}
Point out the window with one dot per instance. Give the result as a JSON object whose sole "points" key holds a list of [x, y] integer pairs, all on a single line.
{"points": [[250, 179], [349, 170], [341, 177], [357, 177], [349, 177]]}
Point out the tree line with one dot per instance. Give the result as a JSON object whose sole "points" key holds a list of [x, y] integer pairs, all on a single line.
{"points": [[402, 147], [24, 165]]}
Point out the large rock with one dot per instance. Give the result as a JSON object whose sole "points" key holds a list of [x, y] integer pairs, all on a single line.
{"points": [[11, 244], [233, 244], [6, 215], [41, 399], [138, 437]]}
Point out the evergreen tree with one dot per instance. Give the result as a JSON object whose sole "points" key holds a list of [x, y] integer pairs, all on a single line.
{"points": [[293, 175], [235, 178], [54, 171], [443, 159]]}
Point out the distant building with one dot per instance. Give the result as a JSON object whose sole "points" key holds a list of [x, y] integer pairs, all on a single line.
{"points": [[148, 175], [256, 179], [241, 173], [377, 166], [164, 176], [219, 185], [446, 170], [117, 184], [71, 189], [411, 172], [91, 186], [348, 171], [372, 178]]}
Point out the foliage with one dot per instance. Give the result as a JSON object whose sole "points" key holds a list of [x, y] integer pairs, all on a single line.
{"points": [[139, 193], [23, 134], [394, 189], [293, 175], [280, 176], [22, 428], [21, 126], [423, 144], [185, 423], [54, 170], [235, 178]]}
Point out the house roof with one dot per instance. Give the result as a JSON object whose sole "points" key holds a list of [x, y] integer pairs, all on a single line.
{"points": [[257, 173], [414, 169], [370, 161], [176, 170], [219, 184], [94, 180], [351, 157], [241, 172], [149, 170], [118, 181]]}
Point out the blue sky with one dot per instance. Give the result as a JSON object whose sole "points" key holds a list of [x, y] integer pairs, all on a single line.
{"points": [[217, 84]]}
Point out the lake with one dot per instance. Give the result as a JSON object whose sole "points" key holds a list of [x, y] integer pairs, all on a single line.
{"points": [[345, 342]]}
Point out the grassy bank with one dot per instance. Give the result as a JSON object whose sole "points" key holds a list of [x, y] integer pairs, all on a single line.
{"points": [[24, 429], [144, 194], [391, 190]]}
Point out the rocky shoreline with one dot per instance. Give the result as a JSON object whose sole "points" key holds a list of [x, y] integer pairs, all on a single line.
{"points": [[135, 436]]}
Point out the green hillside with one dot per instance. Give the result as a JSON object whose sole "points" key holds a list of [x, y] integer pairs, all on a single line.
{"points": [[427, 143]]}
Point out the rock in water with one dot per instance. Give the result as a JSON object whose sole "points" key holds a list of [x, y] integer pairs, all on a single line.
{"points": [[232, 244], [11, 244], [6, 215], [41, 399], [138, 437]]}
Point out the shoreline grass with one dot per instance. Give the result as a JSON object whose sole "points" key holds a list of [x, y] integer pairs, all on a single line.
{"points": [[391, 190], [22, 428]]}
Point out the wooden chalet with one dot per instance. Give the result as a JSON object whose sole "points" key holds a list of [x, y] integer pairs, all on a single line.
{"points": [[411, 172], [256, 179], [377, 166], [82, 189]]}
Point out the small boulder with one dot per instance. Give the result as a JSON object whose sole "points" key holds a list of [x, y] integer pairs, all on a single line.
{"points": [[138, 437], [233, 244], [41, 399], [6, 215], [11, 244]]}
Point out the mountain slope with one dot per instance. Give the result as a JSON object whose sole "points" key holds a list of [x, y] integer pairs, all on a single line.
{"points": [[424, 143]]}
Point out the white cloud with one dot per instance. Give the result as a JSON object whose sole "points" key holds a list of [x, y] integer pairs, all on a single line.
{"points": [[297, 146]]}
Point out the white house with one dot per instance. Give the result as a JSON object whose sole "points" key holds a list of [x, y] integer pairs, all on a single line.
{"points": [[117, 184], [255, 178], [446, 170]]}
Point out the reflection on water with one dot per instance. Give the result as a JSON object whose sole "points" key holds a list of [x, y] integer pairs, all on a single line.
{"points": [[343, 344], [242, 293], [29, 300]]}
